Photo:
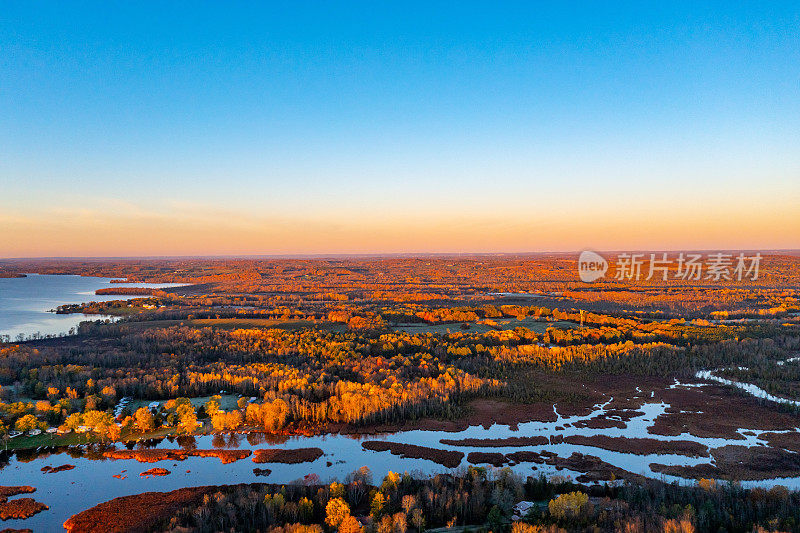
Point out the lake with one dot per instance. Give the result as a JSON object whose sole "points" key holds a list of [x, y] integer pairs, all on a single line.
{"points": [[25, 302]]}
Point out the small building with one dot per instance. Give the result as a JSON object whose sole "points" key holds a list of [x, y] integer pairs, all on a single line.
{"points": [[522, 509]]}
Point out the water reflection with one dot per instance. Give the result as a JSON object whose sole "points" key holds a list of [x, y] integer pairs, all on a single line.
{"points": [[187, 442], [93, 481]]}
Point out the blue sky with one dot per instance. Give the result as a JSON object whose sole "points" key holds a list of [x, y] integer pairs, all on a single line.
{"points": [[352, 115]]}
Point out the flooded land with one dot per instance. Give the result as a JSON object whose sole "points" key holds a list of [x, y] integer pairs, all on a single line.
{"points": [[563, 445]]}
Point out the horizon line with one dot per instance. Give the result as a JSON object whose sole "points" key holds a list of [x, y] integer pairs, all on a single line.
{"points": [[771, 251]]}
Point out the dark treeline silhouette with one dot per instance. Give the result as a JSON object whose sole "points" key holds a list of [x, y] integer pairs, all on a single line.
{"points": [[485, 500]]}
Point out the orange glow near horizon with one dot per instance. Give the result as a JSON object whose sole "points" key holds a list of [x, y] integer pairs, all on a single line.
{"points": [[86, 233]]}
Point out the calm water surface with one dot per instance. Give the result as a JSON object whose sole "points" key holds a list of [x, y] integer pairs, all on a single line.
{"points": [[25, 302], [92, 481]]}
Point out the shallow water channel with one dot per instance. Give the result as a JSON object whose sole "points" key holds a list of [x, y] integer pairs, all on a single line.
{"points": [[92, 481]]}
